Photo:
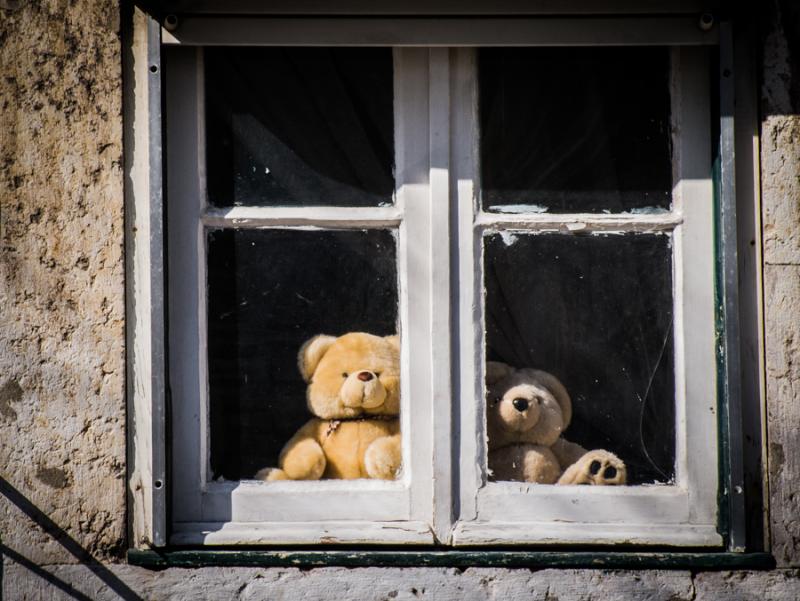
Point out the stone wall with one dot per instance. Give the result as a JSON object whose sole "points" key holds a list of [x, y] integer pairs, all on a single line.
{"points": [[405, 584], [780, 191], [62, 411], [62, 363]]}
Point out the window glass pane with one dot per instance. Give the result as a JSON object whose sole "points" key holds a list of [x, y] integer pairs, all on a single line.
{"points": [[596, 312], [575, 129], [270, 291], [299, 126]]}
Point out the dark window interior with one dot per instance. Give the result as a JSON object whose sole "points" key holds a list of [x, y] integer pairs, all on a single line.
{"points": [[299, 126], [575, 129], [269, 291]]}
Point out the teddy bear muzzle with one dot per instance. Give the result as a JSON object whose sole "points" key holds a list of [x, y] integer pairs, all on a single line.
{"points": [[520, 409], [363, 389]]}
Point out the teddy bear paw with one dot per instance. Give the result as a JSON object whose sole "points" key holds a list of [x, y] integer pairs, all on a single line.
{"points": [[271, 474], [383, 458], [599, 468]]}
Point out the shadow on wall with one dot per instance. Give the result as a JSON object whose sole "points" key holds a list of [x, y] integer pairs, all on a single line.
{"points": [[65, 540], [781, 96]]}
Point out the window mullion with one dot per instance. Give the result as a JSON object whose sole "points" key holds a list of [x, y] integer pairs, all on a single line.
{"points": [[441, 242], [472, 449], [412, 175]]}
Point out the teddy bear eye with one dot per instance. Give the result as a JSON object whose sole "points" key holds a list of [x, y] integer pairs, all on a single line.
{"points": [[345, 374]]}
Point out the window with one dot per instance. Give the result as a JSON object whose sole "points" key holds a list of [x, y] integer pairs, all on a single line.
{"points": [[536, 196], [592, 256], [302, 220]]}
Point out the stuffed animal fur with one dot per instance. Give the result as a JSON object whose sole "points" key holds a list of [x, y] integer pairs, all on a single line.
{"points": [[354, 393], [527, 411]]}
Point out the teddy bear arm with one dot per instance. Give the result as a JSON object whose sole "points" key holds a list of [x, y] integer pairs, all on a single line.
{"points": [[271, 474], [524, 463], [383, 458], [567, 452], [302, 458]]}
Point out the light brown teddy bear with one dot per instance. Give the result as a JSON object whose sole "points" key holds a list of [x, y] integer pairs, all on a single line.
{"points": [[527, 411], [354, 393]]}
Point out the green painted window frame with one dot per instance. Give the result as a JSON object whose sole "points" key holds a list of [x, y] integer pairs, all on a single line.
{"points": [[490, 558]]}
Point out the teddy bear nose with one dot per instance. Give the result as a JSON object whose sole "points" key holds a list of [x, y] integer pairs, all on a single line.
{"points": [[365, 376], [520, 404]]}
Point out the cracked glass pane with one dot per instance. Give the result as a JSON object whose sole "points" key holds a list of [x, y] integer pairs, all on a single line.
{"points": [[595, 311]]}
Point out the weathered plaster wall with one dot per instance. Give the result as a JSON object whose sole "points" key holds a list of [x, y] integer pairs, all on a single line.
{"points": [[780, 184], [411, 584], [62, 356], [62, 412]]}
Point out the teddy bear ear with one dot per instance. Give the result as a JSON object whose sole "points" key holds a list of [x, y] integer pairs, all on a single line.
{"points": [[394, 340], [496, 371], [311, 353], [557, 389]]}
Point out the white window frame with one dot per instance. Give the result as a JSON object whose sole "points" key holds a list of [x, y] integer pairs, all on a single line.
{"points": [[344, 511], [683, 513], [423, 507]]}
